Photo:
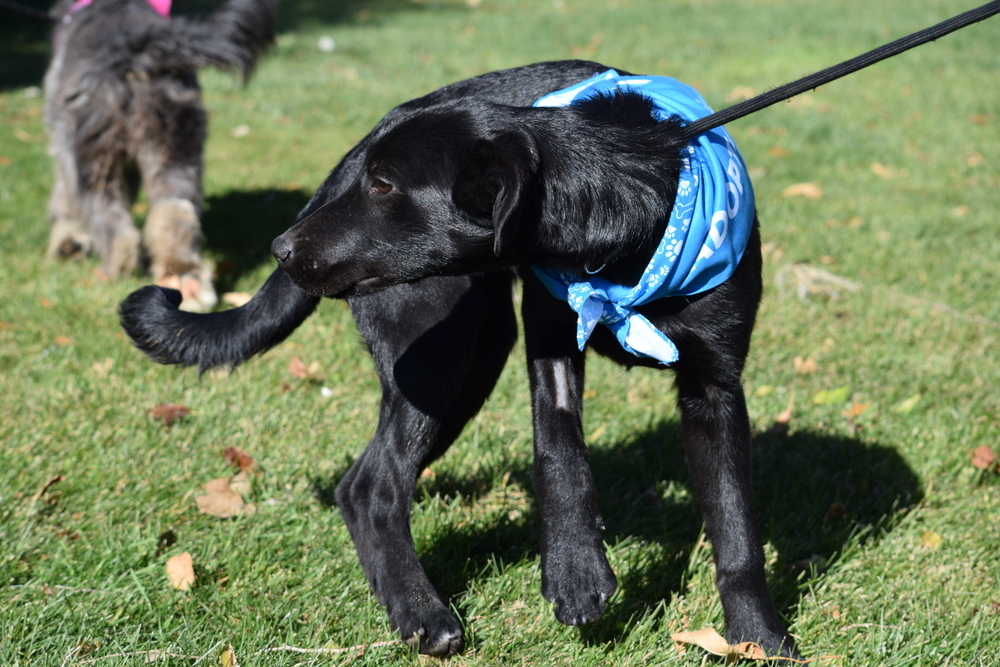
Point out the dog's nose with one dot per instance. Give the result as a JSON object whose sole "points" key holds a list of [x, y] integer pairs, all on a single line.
{"points": [[281, 249]]}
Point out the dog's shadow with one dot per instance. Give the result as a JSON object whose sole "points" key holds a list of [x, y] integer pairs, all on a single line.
{"points": [[240, 225], [815, 495]]}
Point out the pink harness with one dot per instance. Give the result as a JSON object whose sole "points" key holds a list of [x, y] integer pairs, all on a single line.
{"points": [[161, 7]]}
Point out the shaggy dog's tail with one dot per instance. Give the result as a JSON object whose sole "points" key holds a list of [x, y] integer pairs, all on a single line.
{"points": [[230, 38], [225, 338]]}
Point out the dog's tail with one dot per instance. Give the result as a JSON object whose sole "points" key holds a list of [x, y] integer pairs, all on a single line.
{"points": [[230, 38], [225, 338]]}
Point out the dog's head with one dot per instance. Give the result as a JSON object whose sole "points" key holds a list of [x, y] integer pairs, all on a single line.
{"points": [[442, 191]]}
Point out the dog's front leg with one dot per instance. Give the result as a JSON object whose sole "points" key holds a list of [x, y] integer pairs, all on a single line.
{"points": [[716, 434], [438, 346], [576, 576]]}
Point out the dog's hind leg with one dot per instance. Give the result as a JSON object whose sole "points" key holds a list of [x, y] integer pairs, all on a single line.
{"points": [[172, 236], [112, 232], [439, 346], [576, 576]]}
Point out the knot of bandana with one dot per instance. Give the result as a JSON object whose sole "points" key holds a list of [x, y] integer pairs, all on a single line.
{"points": [[706, 234]]}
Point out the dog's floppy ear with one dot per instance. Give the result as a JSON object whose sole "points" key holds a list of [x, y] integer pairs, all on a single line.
{"points": [[495, 183]]}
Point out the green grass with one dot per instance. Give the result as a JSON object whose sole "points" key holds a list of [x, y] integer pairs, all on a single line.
{"points": [[81, 574]]}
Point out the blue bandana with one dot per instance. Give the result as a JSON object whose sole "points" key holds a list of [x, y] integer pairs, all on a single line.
{"points": [[706, 234]]}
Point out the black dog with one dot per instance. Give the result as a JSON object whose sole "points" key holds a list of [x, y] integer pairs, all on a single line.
{"points": [[416, 227]]}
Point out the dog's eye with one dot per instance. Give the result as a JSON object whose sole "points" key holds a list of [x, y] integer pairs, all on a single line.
{"points": [[383, 187]]}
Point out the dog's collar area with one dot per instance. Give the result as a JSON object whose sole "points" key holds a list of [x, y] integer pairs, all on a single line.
{"points": [[161, 7], [705, 237]]}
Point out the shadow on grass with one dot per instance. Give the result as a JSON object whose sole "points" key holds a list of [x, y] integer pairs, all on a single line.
{"points": [[240, 225], [25, 40], [815, 496]]}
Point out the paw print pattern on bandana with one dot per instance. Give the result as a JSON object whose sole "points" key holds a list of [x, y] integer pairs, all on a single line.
{"points": [[705, 237]]}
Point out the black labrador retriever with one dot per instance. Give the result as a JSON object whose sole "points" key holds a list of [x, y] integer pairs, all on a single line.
{"points": [[421, 227]]}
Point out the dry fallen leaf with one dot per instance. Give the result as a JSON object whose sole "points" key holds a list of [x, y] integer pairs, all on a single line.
{"points": [[804, 366], [882, 171], [236, 298], [221, 499], [62, 341], [239, 459], [931, 540], [984, 459], [299, 369], [781, 422], [739, 93], [180, 571], [168, 413], [227, 657], [712, 641], [856, 410], [907, 405], [831, 396], [807, 190]]}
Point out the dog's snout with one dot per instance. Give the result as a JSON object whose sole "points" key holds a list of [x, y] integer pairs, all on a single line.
{"points": [[281, 249]]}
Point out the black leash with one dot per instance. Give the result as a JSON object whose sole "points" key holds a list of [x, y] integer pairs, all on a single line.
{"points": [[26, 11], [816, 80]]}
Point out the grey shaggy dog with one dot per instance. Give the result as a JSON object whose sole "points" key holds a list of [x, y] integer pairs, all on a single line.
{"points": [[123, 107]]}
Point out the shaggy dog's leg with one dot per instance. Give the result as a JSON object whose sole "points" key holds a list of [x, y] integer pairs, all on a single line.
{"points": [[439, 346], [168, 148], [113, 234], [172, 235], [576, 576], [68, 237]]}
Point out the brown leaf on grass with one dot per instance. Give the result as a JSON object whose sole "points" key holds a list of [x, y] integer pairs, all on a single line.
{"points": [[856, 410], [168, 413], [222, 499], [239, 459], [804, 366], [712, 641], [739, 93], [298, 368], [236, 298], [62, 341], [888, 173], [809, 191], [931, 540], [984, 459], [781, 422], [180, 571], [227, 657]]}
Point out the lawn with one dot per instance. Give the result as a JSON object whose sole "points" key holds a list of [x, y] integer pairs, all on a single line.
{"points": [[882, 537]]}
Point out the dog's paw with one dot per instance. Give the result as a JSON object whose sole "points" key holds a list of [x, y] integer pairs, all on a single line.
{"points": [[436, 631], [579, 584], [68, 240]]}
